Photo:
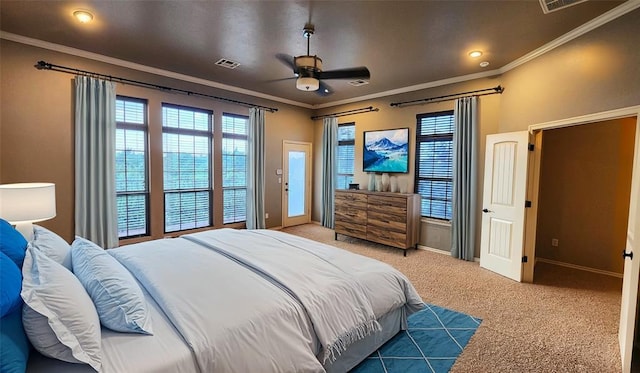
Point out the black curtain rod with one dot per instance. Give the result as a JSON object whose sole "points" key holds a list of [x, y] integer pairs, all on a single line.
{"points": [[348, 112], [492, 91], [42, 65]]}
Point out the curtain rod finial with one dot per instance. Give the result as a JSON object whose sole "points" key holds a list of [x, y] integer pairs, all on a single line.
{"points": [[41, 65]]}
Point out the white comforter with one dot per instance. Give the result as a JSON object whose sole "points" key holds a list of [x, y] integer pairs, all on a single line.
{"points": [[265, 301], [232, 319]]}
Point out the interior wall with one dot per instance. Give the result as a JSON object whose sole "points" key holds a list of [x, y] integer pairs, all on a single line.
{"points": [[585, 185], [433, 233], [36, 129], [595, 72]]}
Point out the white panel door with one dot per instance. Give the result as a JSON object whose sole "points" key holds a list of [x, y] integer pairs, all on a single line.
{"points": [[631, 276], [503, 203]]}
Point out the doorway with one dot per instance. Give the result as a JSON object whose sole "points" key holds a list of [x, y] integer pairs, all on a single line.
{"points": [[631, 272], [583, 199], [296, 187]]}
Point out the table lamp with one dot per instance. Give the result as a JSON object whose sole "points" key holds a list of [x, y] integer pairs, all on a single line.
{"points": [[22, 204]]}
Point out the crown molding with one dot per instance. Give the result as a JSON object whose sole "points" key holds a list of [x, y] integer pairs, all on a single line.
{"points": [[413, 88], [144, 68], [609, 16], [604, 18]]}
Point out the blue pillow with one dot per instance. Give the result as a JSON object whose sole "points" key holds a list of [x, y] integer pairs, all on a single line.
{"points": [[120, 303], [11, 281], [14, 345], [12, 243]]}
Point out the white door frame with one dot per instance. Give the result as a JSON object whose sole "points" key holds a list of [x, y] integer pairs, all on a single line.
{"points": [[632, 267], [306, 218]]}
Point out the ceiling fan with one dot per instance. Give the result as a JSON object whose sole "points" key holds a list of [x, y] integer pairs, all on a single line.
{"points": [[308, 69]]}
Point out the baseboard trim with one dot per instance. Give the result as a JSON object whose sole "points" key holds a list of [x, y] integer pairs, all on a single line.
{"points": [[581, 268], [442, 252], [438, 251]]}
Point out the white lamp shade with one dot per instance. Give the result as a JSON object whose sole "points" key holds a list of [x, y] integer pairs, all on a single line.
{"points": [[27, 202], [307, 84]]}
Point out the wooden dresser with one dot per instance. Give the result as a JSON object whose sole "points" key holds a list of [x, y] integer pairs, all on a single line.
{"points": [[391, 219]]}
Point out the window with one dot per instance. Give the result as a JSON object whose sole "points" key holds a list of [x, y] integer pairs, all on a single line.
{"points": [[132, 187], [345, 157], [234, 167], [186, 146], [434, 163]]}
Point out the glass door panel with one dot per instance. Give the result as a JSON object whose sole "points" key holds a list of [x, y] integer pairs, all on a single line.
{"points": [[296, 200]]}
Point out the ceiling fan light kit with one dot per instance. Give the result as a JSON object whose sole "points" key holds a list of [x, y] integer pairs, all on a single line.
{"points": [[307, 84], [308, 62], [308, 69]]}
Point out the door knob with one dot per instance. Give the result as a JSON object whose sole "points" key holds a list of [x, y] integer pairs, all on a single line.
{"points": [[626, 254], [486, 210]]}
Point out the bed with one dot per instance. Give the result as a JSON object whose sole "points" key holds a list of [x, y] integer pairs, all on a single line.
{"points": [[231, 300]]}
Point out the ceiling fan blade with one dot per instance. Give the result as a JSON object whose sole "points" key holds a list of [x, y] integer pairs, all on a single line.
{"points": [[350, 73], [280, 79], [287, 60], [324, 90]]}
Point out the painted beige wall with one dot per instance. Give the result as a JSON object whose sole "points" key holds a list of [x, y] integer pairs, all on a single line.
{"points": [[596, 72], [585, 185], [435, 235], [36, 129]]}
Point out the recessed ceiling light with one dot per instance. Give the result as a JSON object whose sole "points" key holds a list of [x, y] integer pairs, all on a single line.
{"points": [[358, 83], [475, 54], [484, 64], [83, 16]]}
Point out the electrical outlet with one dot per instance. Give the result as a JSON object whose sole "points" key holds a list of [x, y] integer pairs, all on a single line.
{"points": [[554, 242], [266, 215]]}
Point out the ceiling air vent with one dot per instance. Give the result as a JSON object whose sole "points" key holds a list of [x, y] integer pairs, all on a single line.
{"points": [[549, 6], [227, 63], [359, 82]]}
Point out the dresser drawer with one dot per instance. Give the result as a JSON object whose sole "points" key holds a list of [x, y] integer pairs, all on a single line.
{"points": [[358, 216], [350, 228], [343, 198], [384, 220], [387, 237], [393, 202], [393, 209]]}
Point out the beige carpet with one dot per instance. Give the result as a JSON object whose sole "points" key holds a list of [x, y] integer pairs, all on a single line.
{"points": [[567, 321]]}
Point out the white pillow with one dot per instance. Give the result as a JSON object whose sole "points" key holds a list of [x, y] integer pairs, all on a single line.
{"points": [[120, 303], [60, 320], [52, 245]]}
